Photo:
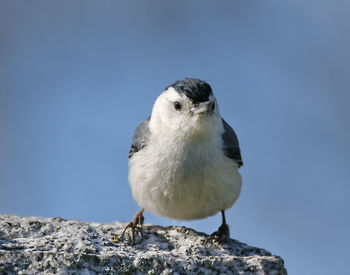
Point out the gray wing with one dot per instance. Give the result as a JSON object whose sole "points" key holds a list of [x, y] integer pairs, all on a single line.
{"points": [[141, 137], [231, 145]]}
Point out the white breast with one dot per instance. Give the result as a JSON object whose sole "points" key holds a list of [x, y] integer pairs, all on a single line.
{"points": [[185, 181]]}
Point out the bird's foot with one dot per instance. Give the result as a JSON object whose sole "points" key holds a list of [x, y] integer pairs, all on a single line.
{"points": [[222, 235], [135, 226]]}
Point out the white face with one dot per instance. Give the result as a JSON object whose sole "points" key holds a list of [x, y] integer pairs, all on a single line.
{"points": [[176, 114]]}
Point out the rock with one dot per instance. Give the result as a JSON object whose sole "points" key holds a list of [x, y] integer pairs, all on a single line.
{"points": [[56, 245]]}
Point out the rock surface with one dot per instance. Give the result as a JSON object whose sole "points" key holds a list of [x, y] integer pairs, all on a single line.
{"points": [[56, 245]]}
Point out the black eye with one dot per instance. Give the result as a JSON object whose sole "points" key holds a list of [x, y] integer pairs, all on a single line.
{"points": [[177, 106]]}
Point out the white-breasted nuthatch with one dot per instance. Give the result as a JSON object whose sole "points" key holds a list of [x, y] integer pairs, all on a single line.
{"points": [[184, 159]]}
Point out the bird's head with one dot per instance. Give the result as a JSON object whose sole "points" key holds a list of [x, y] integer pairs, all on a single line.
{"points": [[186, 108]]}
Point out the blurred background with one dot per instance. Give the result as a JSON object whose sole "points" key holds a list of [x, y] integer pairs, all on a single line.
{"points": [[76, 78]]}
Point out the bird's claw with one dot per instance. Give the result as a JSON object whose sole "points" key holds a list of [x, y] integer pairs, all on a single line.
{"points": [[135, 226], [219, 237]]}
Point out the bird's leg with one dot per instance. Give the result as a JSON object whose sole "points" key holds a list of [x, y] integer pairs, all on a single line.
{"points": [[223, 233], [135, 224]]}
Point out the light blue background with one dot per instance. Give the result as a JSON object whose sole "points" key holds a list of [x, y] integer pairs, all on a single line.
{"points": [[76, 77]]}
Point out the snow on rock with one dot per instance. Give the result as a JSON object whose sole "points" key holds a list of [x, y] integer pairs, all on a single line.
{"points": [[60, 246]]}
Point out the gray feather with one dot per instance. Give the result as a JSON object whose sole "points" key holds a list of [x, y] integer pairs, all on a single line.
{"points": [[231, 145], [141, 137]]}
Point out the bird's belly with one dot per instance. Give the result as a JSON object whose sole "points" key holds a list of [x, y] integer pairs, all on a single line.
{"points": [[183, 191]]}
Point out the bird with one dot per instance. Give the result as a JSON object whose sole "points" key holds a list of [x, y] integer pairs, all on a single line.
{"points": [[184, 159]]}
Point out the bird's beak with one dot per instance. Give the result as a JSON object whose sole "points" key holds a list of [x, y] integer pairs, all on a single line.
{"points": [[202, 107]]}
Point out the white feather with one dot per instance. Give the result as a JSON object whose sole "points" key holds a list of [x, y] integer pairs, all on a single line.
{"points": [[183, 172]]}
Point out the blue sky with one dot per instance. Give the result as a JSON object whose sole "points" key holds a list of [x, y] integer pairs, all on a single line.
{"points": [[76, 77]]}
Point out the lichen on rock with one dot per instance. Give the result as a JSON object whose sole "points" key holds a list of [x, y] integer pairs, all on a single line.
{"points": [[56, 245]]}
